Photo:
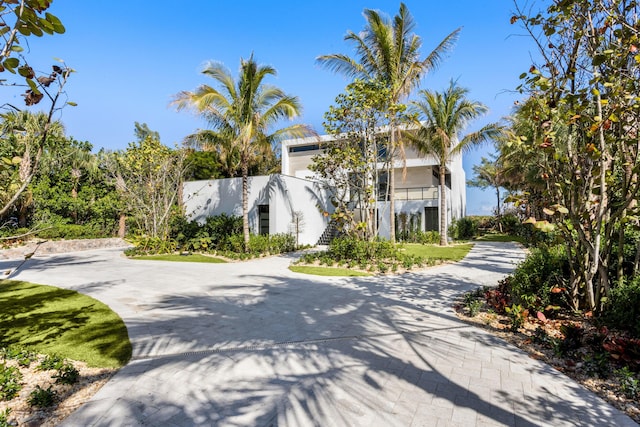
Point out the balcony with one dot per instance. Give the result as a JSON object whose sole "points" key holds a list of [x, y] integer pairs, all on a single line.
{"points": [[414, 193]]}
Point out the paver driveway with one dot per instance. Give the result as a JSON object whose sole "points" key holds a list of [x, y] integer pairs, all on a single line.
{"points": [[254, 344]]}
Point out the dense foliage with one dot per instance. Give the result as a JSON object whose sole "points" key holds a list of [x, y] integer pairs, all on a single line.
{"points": [[220, 234], [572, 156]]}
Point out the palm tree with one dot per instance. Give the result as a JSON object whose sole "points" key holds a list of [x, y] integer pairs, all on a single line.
{"points": [[388, 52], [242, 114], [443, 116], [24, 137], [489, 174]]}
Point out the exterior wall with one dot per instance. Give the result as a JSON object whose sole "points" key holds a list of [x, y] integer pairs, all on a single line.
{"points": [[297, 164], [283, 194], [458, 193]]}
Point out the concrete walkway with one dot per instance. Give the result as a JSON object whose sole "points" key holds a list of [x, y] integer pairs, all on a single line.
{"points": [[253, 344]]}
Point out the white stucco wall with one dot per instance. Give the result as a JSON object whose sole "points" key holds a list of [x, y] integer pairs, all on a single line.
{"points": [[284, 195], [458, 193]]}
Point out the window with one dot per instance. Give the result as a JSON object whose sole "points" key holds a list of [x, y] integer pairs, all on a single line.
{"points": [[447, 176], [263, 219], [303, 148]]}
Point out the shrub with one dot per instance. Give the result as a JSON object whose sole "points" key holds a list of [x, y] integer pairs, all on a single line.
{"points": [[67, 374], [510, 223], [51, 362], [623, 307], [221, 227], [151, 245], [73, 231], [10, 378], [4, 418], [629, 384], [540, 274], [41, 397], [22, 355], [281, 243], [464, 229]]}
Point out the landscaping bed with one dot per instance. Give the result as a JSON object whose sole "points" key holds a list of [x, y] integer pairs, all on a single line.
{"points": [[382, 257], [37, 385]]}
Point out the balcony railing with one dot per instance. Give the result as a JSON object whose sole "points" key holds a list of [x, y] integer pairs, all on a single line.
{"points": [[414, 193]]}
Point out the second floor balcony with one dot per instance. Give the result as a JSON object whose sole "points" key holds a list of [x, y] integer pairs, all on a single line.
{"points": [[413, 193]]}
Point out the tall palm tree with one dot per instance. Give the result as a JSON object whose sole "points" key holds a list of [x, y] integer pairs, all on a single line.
{"points": [[388, 52], [243, 113], [443, 117]]}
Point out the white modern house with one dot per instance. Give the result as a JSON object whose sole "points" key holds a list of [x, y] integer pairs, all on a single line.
{"points": [[276, 201], [417, 193]]}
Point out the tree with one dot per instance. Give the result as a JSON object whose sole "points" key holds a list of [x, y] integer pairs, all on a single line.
{"points": [[489, 174], [71, 186], [242, 114], [444, 116], [148, 176], [24, 136], [349, 162], [582, 116], [388, 51], [20, 19]]}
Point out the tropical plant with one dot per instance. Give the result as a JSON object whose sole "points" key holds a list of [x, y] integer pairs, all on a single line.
{"points": [[242, 114], [148, 177], [20, 19], [579, 125], [489, 174], [388, 52], [24, 136], [443, 117], [349, 162]]}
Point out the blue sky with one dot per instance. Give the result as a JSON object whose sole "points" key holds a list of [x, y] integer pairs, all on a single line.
{"points": [[131, 57]]}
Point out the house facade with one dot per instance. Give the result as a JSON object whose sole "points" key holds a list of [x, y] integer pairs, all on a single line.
{"points": [[417, 192], [296, 202], [277, 204]]}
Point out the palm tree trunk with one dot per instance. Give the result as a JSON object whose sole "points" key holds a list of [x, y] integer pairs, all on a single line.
{"points": [[392, 186], [498, 212], [443, 207], [245, 204], [122, 226]]}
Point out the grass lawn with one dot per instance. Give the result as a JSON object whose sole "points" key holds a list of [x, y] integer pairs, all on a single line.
{"points": [[60, 321], [326, 271], [444, 253], [500, 238], [182, 258]]}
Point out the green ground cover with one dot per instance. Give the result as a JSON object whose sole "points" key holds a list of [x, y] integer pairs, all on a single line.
{"points": [[63, 322], [438, 253], [496, 237], [327, 271], [182, 258]]}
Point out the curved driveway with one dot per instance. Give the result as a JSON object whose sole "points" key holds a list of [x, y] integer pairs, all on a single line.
{"points": [[253, 344]]}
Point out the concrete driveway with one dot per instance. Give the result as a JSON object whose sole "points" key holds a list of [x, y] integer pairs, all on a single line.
{"points": [[253, 344]]}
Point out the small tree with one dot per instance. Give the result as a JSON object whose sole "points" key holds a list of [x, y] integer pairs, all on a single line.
{"points": [[349, 162], [297, 225], [148, 176]]}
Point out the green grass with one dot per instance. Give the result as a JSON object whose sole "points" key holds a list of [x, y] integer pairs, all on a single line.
{"points": [[326, 271], [435, 252], [500, 238], [182, 258], [64, 322]]}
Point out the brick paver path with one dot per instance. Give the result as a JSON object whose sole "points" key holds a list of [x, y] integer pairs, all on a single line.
{"points": [[253, 344]]}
